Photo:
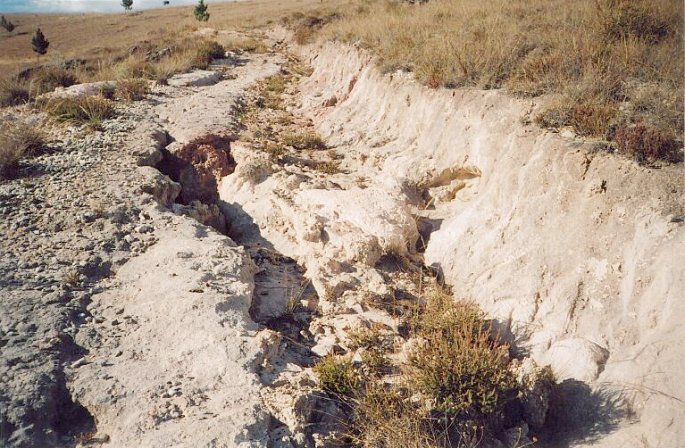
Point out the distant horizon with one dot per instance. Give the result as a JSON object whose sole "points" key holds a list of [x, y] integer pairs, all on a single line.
{"points": [[88, 6]]}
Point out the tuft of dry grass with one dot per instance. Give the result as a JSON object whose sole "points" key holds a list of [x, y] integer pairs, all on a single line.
{"points": [[598, 56], [304, 140], [206, 52], [330, 167], [275, 150], [13, 92], [249, 44], [48, 78], [89, 110], [18, 141], [131, 89]]}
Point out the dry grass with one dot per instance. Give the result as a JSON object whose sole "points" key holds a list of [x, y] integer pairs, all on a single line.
{"points": [[88, 110], [329, 167], [250, 44], [599, 56], [206, 52], [304, 140], [48, 78], [13, 92], [130, 90], [18, 141]]}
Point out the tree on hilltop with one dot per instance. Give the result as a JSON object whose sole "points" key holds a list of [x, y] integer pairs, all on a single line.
{"points": [[127, 4], [6, 24], [39, 43], [200, 11]]}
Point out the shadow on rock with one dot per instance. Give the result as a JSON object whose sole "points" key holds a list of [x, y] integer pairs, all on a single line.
{"points": [[580, 414]]}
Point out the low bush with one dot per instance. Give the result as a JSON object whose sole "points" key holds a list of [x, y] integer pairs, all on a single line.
{"points": [[460, 364], [455, 388], [646, 144]]}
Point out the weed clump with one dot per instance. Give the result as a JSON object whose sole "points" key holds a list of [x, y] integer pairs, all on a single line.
{"points": [[18, 141], [47, 79], [13, 93], [206, 52], [131, 89], [646, 144], [89, 110], [336, 376], [304, 140]]}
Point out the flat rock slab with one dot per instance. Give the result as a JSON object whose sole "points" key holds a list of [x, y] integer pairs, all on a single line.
{"points": [[86, 89], [183, 347], [198, 78]]}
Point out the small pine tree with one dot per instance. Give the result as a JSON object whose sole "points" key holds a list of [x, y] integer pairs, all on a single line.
{"points": [[6, 24], [127, 4], [39, 43], [200, 12]]}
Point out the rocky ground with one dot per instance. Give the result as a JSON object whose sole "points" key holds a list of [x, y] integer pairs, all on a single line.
{"points": [[170, 279]]}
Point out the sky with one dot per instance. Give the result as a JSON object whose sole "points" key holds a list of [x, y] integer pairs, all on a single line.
{"points": [[8, 6]]}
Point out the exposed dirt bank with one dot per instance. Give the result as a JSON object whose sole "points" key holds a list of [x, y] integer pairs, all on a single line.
{"points": [[579, 253]]}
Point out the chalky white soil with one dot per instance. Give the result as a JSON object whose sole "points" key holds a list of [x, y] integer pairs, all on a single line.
{"points": [[127, 322]]}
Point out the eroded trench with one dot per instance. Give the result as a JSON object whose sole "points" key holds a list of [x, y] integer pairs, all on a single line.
{"points": [[309, 295]]}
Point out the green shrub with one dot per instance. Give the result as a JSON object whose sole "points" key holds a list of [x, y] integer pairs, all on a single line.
{"points": [[336, 376], [459, 364]]}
